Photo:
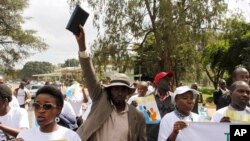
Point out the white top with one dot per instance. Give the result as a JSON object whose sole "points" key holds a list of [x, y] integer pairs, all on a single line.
{"points": [[151, 89], [21, 96], [16, 118], [77, 106], [167, 124], [75, 98], [218, 115], [14, 103], [62, 134], [68, 110]]}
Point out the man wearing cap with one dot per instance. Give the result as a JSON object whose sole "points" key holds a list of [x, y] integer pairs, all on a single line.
{"points": [[110, 118], [173, 122], [163, 99]]}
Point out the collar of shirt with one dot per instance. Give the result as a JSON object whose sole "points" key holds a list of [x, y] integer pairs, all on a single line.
{"points": [[247, 110], [224, 91], [162, 97], [124, 111], [181, 116]]}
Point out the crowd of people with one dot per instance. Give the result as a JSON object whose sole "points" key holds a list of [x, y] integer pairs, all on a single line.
{"points": [[115, 113]]}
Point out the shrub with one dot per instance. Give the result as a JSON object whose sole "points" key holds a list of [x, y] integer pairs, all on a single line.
{"points": [[207, 90], [209, 99]]}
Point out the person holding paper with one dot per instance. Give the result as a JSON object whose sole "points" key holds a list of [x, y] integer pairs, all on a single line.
{"points": [[142, 89], [172, 123], [164, 100], [237, 111], [110, 118]]}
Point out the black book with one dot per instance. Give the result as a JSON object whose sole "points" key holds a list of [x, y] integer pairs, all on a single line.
{"points": [[78, 17]]}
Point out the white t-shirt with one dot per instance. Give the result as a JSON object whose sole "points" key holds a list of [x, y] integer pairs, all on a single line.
{"points": [[167, 124], [77, 106], [218, 115], [14, 103], [68, 110], [15, 118], [151, 89], [62, 134], [75, 98], [21, 96]]}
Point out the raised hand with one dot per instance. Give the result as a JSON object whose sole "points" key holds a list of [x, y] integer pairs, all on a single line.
{"points": [[81, 39]]}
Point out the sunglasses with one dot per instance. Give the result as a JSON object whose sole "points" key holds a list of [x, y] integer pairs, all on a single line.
{"points": [[46, 106]]}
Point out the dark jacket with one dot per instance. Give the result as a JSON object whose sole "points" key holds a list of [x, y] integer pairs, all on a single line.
{"points": [[221, 100], [165, 106]]}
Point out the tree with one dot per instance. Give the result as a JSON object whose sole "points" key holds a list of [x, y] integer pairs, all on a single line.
{"points": [[70, 63], [227, 49], [214, 57], [16, 43], [36, 67], [239, 40], [175, 31]]}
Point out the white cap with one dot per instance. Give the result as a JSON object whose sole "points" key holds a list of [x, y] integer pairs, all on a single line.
{"points": [[183, 89]]}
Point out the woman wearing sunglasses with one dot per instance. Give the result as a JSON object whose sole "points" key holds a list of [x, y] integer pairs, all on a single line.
{"points": [[47, 106]]}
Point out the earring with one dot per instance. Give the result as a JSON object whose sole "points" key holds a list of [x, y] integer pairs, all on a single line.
{"points": [[57, 119]]}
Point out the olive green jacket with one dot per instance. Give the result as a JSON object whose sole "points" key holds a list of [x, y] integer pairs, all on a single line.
{"points": [[102, 108]]}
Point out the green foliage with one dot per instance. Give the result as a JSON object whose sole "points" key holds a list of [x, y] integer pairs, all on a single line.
{"points": [[207, 93], [171, 29], [16, 43], [206, 90], [209, 99], [227, 49], [36, 67], [238, 53], [215, 53], [188, 37], [70, 63]]}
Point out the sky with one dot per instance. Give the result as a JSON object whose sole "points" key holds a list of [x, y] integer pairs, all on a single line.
{"points": [[50, 17]]}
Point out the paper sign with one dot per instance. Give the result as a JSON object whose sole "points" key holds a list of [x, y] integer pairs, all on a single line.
{"points": [[147, 105]]}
